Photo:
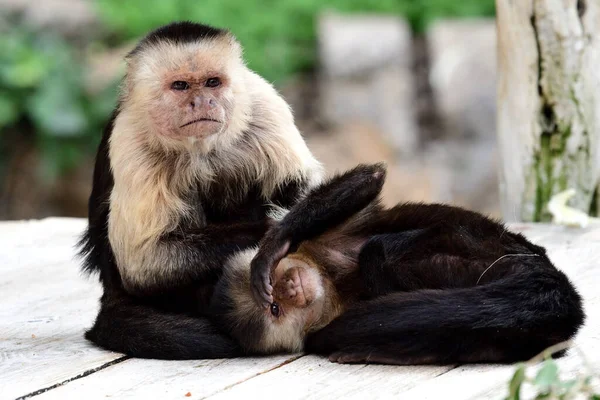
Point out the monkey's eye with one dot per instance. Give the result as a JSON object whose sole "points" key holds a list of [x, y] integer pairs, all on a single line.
{"points": [[180, 85], [275, 309], [212, 82]]}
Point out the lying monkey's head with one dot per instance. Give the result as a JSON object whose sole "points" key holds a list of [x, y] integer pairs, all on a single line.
{"points": [[185, 82], [304, 301]]}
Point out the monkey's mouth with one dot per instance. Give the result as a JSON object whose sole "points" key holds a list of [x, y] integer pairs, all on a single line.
{"points": [[200, 120], [296, 287]]}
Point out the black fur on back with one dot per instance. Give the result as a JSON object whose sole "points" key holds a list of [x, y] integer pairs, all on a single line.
{"points": [[94, 246], [179, 32]]}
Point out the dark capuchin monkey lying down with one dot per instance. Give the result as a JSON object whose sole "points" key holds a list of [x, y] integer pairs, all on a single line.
{"points": [[415, 284]]}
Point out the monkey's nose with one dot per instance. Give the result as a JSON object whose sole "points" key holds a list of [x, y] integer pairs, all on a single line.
{"points": [[200, 101]]}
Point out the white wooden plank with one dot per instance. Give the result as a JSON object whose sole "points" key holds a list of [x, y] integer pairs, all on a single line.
{"points": [[46, 306], [153, 379], [313, 377], [489, 381], [43, 294], [462, 383], [34, 233], [569, 366]]}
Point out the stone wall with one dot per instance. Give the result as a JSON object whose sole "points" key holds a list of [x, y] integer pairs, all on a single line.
{"points": [[372, 95]]}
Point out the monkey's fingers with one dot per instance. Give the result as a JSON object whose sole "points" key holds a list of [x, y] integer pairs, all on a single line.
{"points": [[261, 267], [261, 292], [260, 271]]}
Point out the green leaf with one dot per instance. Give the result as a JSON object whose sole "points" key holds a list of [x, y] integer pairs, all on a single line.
{"points": [[547, 375], [9, 112], [595, 397], [27, 71], [57, 110], [567, 385], [516, 382]]}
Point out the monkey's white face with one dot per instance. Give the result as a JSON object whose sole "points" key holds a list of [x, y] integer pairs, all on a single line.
{"points": [[187, 91], [198, 104], [304, 301]]}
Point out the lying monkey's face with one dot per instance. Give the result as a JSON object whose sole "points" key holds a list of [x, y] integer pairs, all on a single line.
{"points": [[188, 91], [297, 285], [302, 303]]}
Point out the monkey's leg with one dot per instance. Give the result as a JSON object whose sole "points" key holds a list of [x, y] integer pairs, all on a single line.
{"points": [[144, 332], [509, 320], [384, 261], [440, 257], [325, 207]]}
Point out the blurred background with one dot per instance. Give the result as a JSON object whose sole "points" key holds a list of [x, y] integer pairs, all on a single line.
{"points": [[410, 82]]}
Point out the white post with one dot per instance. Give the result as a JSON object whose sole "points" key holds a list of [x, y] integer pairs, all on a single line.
{"points": [[548, 104]]}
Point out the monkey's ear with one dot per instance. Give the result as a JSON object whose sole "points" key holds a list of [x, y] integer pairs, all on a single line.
{"points": [[236, 48]]}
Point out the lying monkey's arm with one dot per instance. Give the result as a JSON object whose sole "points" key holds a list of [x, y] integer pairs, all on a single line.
{"points": [[325, 207]]}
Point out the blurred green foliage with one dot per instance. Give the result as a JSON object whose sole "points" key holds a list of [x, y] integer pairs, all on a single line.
{"points": [[547, 382], [278, 35], [42, 90], [42, 81]]}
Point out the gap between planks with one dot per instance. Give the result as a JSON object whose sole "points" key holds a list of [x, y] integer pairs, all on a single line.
{"points": [[79, 376], [227, 388], [281, 364], [125, 358]]}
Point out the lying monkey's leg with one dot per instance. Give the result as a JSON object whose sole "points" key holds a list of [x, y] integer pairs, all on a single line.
{"points": [[509, 320], [381, 265], [325, 207], [442, 257]]}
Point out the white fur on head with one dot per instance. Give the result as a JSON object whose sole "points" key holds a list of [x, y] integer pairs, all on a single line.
{"points": [[149, 68]]}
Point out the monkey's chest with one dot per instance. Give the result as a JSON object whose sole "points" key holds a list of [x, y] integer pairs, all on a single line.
{"points": [[220, 205], [232, 201]]}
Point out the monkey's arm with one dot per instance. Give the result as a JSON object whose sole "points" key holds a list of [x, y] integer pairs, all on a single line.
{"points": [[325, 207], [185, 256]]}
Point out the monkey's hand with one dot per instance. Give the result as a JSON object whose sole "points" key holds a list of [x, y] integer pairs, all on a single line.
{"points": [[271, 251]]}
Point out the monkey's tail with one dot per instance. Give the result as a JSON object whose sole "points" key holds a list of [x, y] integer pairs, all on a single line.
{"points": [[509, 320], [144, 332]]}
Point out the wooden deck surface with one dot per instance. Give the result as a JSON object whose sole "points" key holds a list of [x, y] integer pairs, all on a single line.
{"points": [[46, 304]]}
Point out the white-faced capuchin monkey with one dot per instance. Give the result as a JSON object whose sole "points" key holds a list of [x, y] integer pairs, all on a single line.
{"points": [[198, 151], [414, 284]]}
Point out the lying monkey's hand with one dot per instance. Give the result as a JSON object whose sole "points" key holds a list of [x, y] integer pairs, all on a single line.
{"points": [[263, 264]]}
